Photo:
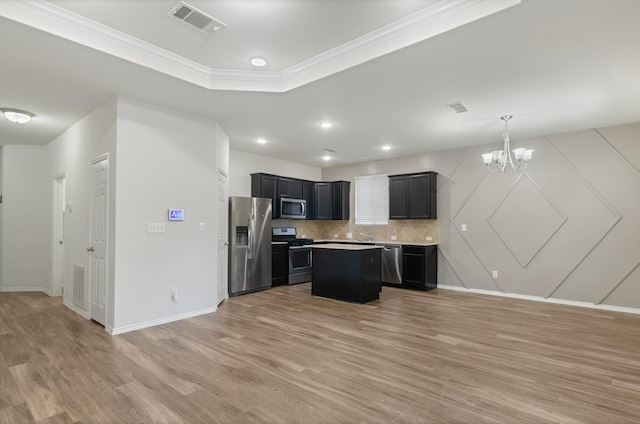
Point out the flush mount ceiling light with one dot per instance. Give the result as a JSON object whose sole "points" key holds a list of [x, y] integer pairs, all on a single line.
{"points": [[258, 61], [500, 158], [326, 125], [16, 115], [261, 140], [327, 154], [386, 148]]}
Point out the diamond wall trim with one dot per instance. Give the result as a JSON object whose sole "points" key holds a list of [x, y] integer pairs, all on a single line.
{"points": [[524, 263]]}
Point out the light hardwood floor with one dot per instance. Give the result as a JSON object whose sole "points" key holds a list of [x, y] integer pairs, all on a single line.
{"points": [[283, 356]]}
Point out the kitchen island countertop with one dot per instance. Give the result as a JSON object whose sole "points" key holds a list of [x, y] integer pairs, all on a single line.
{"points": [[337, 246]]}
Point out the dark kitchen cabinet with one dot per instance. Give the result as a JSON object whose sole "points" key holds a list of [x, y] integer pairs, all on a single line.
{"points": [[413, 196], [349, 275], [279, 264], [323, 201], [266, 186], [420, 267], [308, 193], [289, 187], [341, 200]]}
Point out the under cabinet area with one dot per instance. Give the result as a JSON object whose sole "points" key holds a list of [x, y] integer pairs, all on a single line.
{"points": [[413, 196], [419, 267]]}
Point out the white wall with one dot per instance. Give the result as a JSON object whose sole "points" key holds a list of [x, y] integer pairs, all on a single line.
{"points": [[566, 229], [71, 153], [243, 164], [2, 167], [166, 160], [24, 219]]}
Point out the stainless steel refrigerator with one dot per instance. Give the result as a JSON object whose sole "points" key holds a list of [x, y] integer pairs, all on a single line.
{"points": [[250, 244]]}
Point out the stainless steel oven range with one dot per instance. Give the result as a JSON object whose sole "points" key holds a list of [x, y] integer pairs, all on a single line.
{"points": [[299, 249]]}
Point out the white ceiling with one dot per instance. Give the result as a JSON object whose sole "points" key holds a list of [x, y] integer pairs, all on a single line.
{"points": [[383, 77]]}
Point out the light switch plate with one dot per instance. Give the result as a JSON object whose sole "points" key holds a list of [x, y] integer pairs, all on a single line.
{"points": [[463, 227], [429, 238], [394, 237], [155, 228], [203, 227]]}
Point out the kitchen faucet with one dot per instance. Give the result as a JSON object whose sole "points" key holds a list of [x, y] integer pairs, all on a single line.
{"points": [[367, 237]]}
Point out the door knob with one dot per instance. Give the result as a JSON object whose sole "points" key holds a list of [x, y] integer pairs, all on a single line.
{"points": [[90, 249]]}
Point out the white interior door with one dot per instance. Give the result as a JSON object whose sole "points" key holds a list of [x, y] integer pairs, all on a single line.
{"points": [[99, 237], [223, 234], [59, 208]]}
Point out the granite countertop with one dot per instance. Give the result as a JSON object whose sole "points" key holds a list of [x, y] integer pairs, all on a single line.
{"points": [[278, 242], [336, 246], [396, 242]]}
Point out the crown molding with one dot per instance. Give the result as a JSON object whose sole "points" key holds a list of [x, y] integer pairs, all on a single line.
{"points": [[419, 26], [426, 23]]}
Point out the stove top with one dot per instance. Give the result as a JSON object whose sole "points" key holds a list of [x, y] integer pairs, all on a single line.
{"points": [[299, 242], [289, 234]]}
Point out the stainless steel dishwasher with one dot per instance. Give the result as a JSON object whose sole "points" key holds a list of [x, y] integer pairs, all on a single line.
{"points": [[391, 263]]}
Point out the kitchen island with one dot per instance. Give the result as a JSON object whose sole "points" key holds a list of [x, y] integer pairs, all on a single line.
{"points": [[347, 272]]}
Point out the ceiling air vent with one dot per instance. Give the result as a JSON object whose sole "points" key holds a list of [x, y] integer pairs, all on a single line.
{"points": [[196, 18], [457, 107]]}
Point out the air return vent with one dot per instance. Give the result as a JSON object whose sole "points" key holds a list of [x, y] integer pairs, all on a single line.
{"points": [[457, 107], [79, 286], [196, 18]]}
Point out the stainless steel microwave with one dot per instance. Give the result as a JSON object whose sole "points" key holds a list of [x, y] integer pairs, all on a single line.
{"points": [[293, 208]]}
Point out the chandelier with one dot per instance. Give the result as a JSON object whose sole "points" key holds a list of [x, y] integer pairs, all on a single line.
{"points": [[498, 159]]}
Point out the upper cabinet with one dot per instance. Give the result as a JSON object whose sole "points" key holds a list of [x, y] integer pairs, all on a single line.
{"points": [[324, 200], [289, 187], [308, 194], [331, 200], [413, 196], [341, 200], [266, 186]]}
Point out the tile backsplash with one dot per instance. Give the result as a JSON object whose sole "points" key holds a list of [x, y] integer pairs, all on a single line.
{"points": [[405, 230]]}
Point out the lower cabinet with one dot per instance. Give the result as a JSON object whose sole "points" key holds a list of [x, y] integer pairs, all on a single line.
{"points": [[279, 264], [419, 267]]}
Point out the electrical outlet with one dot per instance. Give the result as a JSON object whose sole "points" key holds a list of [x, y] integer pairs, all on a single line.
{"points": [[155, 227], [495, 274], [335, 236], [394, 237], [174, 294], [349, 235], [203, 227], [463, 227], [429, 238], [303, 236]]}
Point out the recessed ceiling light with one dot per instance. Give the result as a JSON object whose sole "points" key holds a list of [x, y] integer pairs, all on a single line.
{"points": [[16, 115], [326, 124], [258, 61], [261, 140], [386, 147]]}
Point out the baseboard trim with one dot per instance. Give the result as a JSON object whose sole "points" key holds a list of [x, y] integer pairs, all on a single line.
{"points": [[27, 289], [545, 300], [153, 323], [75, 309]]}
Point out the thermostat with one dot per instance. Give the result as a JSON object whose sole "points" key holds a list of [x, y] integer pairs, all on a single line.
{"points": [[176, 214]]}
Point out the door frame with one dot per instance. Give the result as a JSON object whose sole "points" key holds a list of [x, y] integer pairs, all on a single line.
{"points": [[58, 257], [89, 291], [222, 287]]}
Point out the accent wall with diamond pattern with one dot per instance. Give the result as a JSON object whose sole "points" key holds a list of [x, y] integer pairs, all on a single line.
{"points": [[568, 227]]}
